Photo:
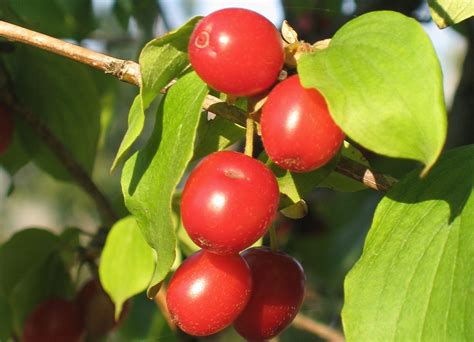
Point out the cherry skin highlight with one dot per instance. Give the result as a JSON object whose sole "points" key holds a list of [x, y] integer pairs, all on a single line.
{"points": [[277, 294], [54, 320], [228, 202], [98, 310], [298, 132], [236, 51], [208, 291], [6, 129]]}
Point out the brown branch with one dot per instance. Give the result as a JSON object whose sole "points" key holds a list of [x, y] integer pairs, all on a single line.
{"points": [[305, 323], [363, 174], [129, 71]]}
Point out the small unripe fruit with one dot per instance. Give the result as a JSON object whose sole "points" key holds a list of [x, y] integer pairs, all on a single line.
{"points": [[298, 132], [236, 51], [228, 202], [208, 291], [277, 294], [54, 320]]}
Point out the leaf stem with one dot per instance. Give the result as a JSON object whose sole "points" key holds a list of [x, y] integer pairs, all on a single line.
{"points": [[249, 136]]}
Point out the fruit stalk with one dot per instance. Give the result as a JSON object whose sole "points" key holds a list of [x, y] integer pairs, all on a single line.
{"points": [[249, 137]]}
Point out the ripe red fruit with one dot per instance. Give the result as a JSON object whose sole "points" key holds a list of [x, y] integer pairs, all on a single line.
{"points": [[228, 202], [6, 129], [54, 320], [208, 291], [98, 310], [298, 132], [277, 294], [236, 51]]}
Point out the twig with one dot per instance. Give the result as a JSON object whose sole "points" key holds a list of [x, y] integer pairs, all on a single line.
{"points": [[305, 323], [160, 300], [361, 173], [129, 71]]}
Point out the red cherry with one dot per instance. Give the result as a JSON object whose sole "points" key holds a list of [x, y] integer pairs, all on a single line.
{"points": [[98, 310], [277, 294], [236, 51], [208, 291], [298, 132], [228, 202], [54, 320], [6, 129]]}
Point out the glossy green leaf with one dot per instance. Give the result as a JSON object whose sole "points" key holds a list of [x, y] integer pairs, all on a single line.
{"points": [[67, 102], [150, 176], [383, 83], [161, 60], [415, 279], [449, 12], [339, 182], [59, 18], [127, 262], [294, 186]]}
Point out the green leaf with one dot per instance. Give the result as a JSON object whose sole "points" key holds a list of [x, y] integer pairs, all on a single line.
{"points": [[339, 182], [6, 319], [415, 279], [161, 60], [67, 102], [59, 18], [215, 135], [383, 84], [15, 157], [294, 186], [150, 176], [31, 270], [36, 244], [127, 262], [449, 12]]}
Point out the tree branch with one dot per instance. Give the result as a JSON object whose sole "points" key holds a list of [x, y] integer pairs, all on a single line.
{"points": [[129, 71], [305, 323]]}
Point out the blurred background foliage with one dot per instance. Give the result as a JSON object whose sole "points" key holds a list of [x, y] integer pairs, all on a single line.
{"points": [[36, 192]]}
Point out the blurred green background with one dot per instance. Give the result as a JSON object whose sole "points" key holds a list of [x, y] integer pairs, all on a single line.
{"points": [[328, 241]]}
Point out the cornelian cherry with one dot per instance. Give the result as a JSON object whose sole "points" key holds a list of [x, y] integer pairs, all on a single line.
{"points": [[277, 294], [54, 320], [236, 51], [228, 202], [6, 129], [208, 291], [298, 132]]}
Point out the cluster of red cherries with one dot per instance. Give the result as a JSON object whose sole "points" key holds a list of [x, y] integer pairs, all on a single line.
{"points": [[230, 199], [90, 314]]}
